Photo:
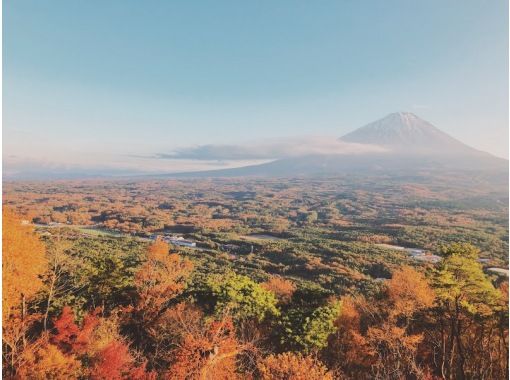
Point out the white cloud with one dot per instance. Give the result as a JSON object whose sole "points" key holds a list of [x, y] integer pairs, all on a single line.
{"points": [[270, 150], [66, 164]]}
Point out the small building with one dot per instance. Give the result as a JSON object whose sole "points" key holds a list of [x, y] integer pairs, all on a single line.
{"points": [[175, 240], [183, 243]]}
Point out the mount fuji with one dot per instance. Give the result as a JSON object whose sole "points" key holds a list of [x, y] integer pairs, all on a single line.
{"points": [[409, 145], [406, 133]]}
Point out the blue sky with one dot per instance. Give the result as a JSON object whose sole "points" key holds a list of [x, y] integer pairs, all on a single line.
{"points": [[104, 82]]}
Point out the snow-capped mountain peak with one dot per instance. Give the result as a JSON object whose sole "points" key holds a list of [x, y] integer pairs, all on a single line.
{"points": [[406, 132]]}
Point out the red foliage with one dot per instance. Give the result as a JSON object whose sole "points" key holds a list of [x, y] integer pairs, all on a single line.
{"points": [[115, 362], [140, 373], [84, 336], [69, 336], [67, 330]]}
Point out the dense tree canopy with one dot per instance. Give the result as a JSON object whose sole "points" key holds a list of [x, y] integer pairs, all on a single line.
{"points": [[241, 297], [101, 307]]}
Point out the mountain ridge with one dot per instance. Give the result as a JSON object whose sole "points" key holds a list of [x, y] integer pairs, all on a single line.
{"points": [[412, 145]]}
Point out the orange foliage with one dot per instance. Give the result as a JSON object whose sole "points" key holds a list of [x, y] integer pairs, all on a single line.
{"points": [[348, 346], [23, 262], [396, 352], [157, 250], [290, 366], [409, 292], [208, 350], [162, 277], [283, 289]]}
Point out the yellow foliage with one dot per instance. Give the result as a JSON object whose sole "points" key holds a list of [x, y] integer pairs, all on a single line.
{"points": [[106, 332], [290, 366], [43, 360], [23, 261]]}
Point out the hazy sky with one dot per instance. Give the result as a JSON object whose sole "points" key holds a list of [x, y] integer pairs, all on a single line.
{"points": [[111, 83]]}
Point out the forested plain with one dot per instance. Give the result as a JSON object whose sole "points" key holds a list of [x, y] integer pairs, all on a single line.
{"points": [[289, 279]]}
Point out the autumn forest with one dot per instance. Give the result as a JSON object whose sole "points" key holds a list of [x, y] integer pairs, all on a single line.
{"points": [[334, 278], [255, 190]]}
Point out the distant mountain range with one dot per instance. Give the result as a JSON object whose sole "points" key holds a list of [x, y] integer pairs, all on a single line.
{"points": [[411, 145], [400, 144]]}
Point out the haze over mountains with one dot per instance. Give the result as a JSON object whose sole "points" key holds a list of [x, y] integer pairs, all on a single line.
{"points": [[398, 144], [407, 144]]}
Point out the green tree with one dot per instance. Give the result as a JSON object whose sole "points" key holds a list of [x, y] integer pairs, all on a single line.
{"points": [[101, 273], [241, 297], [464, 294], [307, 330], [319, 326]]}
